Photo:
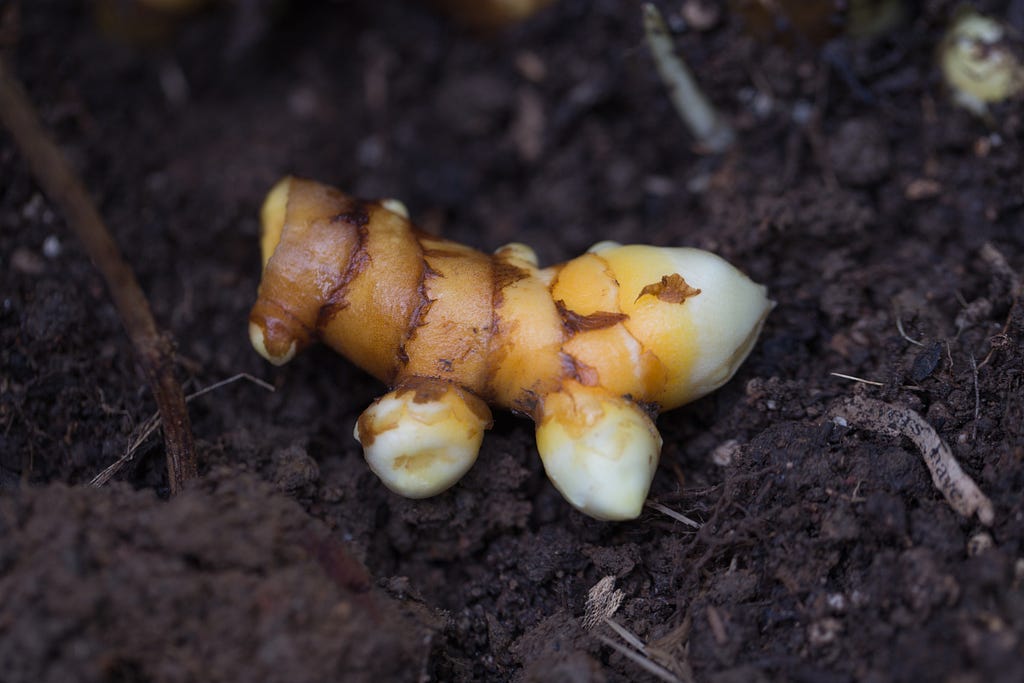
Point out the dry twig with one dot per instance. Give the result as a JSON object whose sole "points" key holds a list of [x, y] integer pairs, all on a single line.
{"points": [[962, 494], [857, 379], [603, 600], [149, 426], [643, 662], [152, 349], [669, 512]]}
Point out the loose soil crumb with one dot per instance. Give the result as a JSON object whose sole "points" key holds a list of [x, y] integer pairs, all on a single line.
{"points": [[227, 582], [856, 191]]}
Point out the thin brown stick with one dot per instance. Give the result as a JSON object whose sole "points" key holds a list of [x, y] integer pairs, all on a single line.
{"points": [[153, 350], [998, 263], [977, 398]]}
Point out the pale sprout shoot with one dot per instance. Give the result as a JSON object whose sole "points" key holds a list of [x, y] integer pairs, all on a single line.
{"points": [[979, 64], [599, 451], [420, 442]]}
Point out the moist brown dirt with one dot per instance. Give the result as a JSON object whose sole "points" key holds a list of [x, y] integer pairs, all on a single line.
{"points": [[857, 192]]}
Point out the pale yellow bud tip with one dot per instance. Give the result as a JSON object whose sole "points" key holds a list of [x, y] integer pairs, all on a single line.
{"points": [[599, 451], [395, 206], [518, 253], [420, 441], [272, 216], [259, 342]]}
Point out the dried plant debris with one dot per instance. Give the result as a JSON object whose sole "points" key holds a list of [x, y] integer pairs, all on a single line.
{"points": [[1001, 267], [603, 601], [960, 491]]}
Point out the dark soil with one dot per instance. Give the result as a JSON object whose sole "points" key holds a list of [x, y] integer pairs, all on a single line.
{"points": [[857, 192]]}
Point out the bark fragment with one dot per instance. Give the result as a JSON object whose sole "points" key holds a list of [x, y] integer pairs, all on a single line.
{"points": [[672, 289], [962, 494]]}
